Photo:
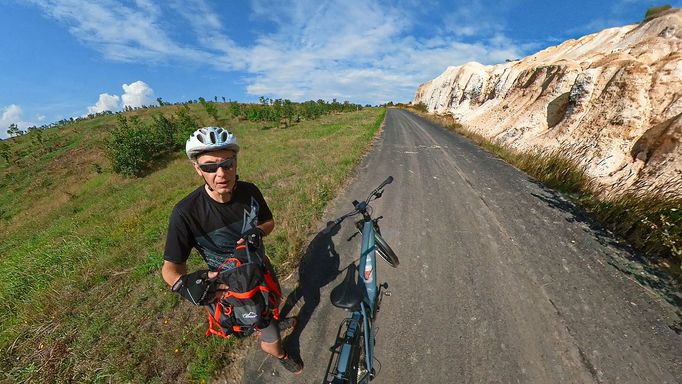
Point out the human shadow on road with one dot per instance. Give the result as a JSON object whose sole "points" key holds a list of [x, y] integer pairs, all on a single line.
{"points": [[319, 267], [635, 264]]}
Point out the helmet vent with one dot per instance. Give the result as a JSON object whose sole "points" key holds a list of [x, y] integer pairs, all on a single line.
{"points": [[200, 137], [223, 136], [212, 136]]}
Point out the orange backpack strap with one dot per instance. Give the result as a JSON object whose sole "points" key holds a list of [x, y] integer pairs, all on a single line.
{"points": [[214, 323]]}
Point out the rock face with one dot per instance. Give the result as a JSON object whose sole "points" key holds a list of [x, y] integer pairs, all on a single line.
{"points": [[612, 100]]}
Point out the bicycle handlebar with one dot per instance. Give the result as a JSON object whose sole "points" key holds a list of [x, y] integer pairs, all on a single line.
{"points": [[386, 182], [376, 193]]}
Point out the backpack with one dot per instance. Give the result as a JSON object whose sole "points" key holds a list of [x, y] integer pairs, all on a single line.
{"points": [[252, 298]]}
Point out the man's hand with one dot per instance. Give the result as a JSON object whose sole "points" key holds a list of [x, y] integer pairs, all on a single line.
{"points": [[197, 287], [220, 288], [253, 238]]}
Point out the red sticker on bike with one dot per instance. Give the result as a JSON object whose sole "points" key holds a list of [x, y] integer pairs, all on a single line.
{"points": [[368, 273]]}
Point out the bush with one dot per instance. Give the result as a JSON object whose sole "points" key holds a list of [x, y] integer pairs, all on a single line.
{"points": [[421, 107], [654, 12], [134, 145], [185, 125], [131, 147], [164, 132], [210, 108]]}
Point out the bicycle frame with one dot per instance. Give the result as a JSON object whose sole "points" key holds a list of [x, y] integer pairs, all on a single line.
{"points": [[367, 277], [363, 297]]}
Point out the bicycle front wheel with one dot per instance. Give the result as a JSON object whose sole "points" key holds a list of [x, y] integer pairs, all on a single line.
{"points": [[385, 251]]}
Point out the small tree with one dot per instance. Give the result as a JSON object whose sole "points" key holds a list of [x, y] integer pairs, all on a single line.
{"points": [[164, 133], [210, 108], [130, 148], [13, 130], [185, 125]]}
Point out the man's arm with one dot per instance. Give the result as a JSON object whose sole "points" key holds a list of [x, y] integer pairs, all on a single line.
{"points": [[267, 226], [171, 271]]}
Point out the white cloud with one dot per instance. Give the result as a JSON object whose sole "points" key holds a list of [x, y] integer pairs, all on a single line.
{"points": [[137, 94], [12, 114], [361, 51], [364, 51], [120, 32], [106, 102]]}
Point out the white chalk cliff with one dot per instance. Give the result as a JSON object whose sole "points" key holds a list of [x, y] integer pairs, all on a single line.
{"points": [[611, 99]]}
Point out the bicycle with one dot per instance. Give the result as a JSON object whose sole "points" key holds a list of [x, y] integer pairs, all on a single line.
{"points": [[352, 359]]}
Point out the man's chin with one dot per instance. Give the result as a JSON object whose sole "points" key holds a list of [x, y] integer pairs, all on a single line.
{"points": [[222, 188]]}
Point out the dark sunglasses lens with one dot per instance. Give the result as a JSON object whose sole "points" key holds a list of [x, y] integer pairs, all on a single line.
{"points": [[227, 164], [213, 167], [210, 168]]}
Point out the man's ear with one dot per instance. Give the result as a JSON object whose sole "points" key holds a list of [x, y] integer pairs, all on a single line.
{"points": [[196, 168]]}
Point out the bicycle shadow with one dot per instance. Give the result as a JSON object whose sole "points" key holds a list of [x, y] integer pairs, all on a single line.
{"points": [[318, 267]]}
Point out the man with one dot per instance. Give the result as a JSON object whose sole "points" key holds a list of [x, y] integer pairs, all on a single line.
{"points": [[216, 219]]}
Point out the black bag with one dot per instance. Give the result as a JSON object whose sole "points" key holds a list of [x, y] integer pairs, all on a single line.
{"points": [[252, 298]]}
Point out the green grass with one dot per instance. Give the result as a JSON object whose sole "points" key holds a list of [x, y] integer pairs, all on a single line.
{"points": [[649, 221], [80, 251]]}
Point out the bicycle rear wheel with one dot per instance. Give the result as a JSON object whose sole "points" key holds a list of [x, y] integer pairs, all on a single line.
{"points": [[383, 249]]}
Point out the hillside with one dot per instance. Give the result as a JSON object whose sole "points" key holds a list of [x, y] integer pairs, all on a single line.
{"points": [[81, 246], [611, 100]]}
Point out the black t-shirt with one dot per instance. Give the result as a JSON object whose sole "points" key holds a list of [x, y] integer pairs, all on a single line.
{"points": [[211, 227]]}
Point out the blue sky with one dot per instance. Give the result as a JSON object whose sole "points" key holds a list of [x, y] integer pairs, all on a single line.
{"points": [[65, 58]]}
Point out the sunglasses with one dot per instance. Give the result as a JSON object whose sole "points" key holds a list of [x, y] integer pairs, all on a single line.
{"points": [[213, 167]]}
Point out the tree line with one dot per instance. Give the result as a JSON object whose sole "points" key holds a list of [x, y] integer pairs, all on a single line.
{"points": [[134, 145]]}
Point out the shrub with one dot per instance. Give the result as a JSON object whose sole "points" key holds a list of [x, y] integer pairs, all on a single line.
{"points": [[185, 124], [164, 132], [210, 108], [131, 147], [421, 107], [654, 12]]}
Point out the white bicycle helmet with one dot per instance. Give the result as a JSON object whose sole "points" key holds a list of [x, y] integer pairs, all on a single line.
{"points": [[210, 139]]}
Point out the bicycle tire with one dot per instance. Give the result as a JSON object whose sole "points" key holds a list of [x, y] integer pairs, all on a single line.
{"points": [[385, 251]]}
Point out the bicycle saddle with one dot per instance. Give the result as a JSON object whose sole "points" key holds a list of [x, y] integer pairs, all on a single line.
{"points": [[348, 294]]}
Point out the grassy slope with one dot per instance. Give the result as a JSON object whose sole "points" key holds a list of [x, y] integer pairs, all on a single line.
{"points": [[80, 251]]}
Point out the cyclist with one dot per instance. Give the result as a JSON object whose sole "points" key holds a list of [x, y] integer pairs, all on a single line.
{"points": [[214, 219]]}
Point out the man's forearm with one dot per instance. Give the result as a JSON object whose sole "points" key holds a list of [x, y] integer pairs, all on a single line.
{"points": [[267, 227], [171, 272]]}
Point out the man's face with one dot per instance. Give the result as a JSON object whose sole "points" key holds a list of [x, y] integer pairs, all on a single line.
{"points": [[223, 179]]}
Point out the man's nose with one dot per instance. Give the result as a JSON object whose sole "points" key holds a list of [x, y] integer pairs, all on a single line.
{"points": [[221, 171]]}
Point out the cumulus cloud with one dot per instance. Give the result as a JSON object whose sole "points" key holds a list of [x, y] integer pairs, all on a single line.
{"points": [[106, 102], [137, 94], [12, 114]]}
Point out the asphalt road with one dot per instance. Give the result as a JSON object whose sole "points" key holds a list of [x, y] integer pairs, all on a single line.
{"points": [[501, 280]]}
